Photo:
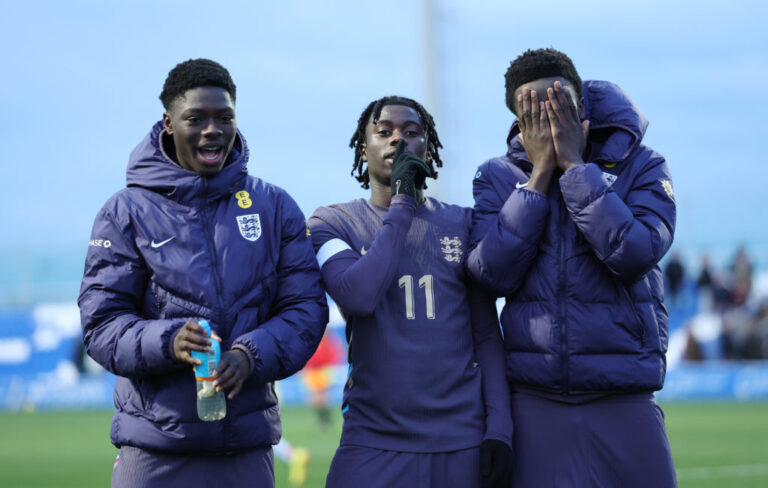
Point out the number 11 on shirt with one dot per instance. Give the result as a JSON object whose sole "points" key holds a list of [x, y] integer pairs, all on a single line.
{"points": [[426, 282]]}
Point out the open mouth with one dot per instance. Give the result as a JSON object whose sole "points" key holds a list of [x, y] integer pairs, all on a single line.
{"points": [[211, 154]]}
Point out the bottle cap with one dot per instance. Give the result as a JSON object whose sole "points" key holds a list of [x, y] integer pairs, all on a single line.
{"points": [[205, 325]]}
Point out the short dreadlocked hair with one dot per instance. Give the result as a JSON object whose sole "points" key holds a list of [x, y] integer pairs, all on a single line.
{"points": [[539, 63], [195, 73], [372, 112]]}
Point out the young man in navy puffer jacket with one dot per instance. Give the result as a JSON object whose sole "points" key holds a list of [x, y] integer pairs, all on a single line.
{"points": [[569, 225], [194, 237]]}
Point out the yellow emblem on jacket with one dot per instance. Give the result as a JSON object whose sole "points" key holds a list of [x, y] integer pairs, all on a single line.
{"points": [[667, 185], [243, 199]]}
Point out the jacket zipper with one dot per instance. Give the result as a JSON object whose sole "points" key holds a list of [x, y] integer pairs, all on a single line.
{"points": [[212, 253], [562, 296], [217, 279]]}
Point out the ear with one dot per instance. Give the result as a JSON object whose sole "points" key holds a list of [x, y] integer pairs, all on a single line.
{"points": [[167, 123], [363, 154]]}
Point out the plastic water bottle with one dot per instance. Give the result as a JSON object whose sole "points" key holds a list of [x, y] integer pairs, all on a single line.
{"points": [[211, 404]]}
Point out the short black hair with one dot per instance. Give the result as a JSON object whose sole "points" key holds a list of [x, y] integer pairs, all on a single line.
{"points": [[374, 109], [194, 73], [539, 63]]}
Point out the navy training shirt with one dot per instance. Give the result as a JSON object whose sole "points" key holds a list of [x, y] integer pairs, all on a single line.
{"points": [[413, 384]]}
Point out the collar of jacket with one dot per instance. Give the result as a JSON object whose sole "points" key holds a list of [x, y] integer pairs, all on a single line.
{"points": [[150, 167]]}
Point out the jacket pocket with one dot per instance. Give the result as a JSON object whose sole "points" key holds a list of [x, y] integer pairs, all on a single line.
{"points": [[127, 397], [152, 303], [638, 329], [168, 305]]}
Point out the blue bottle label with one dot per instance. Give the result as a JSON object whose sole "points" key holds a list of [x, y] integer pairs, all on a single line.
{"points": [[208, 360]]}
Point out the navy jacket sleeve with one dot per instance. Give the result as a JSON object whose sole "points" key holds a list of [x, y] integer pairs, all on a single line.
{"points": [[284, 343], [506, 230], [356, 283], [629, 236], [114, 283], [489, 353]]}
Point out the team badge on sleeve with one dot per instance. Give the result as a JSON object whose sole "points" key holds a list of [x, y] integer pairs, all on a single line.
{"points": [[250, 226], [609, 179], [451, 248], [667, 185]]}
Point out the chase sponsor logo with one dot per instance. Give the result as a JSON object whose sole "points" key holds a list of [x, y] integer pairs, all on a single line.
{"points": [[451, 248], [106, 243], [250, 226], [243, 199], [478, 174]]}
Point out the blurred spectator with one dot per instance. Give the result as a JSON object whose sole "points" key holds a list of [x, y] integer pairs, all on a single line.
{"points": [[737, 323], [692, 347], [705, 333], [705, 285], [756, 345], [674, 275], [720, 292], [318, 374], [713, 290], [296, 458], [704, 281], [741, 276], [727, 296]]}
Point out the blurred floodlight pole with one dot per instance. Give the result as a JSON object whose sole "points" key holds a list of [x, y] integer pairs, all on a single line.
{"points": [[431, 98], [428, 42]]}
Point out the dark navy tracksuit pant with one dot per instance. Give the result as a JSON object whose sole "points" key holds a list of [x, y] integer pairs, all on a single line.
{"points": [[612, 441]]}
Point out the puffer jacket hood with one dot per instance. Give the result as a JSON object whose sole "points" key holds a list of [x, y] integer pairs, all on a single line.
{"points": [[150, 167]]}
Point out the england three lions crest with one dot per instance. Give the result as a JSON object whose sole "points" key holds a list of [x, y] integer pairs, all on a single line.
{"points": [[451, 248], [250, 226]]}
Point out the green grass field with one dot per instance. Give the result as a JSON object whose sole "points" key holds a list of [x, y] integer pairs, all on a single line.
{"points": [[714, 445]]}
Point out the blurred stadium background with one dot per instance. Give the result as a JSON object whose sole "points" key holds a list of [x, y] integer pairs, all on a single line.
{"points": [[81, 90]]}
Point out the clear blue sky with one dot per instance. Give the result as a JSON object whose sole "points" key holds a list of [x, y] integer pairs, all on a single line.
{"points": [[81, 78]]}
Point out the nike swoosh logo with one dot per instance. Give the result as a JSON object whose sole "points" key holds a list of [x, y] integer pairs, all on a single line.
{"points": [[519, 185], [155, 245], [363, 251]]}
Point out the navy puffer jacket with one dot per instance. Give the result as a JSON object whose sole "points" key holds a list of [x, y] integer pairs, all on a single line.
{"points": [[579, 266], [174, 246]]}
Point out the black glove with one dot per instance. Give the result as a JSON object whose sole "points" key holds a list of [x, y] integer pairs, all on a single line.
{"points": [[409, 172], [495, 464]]}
